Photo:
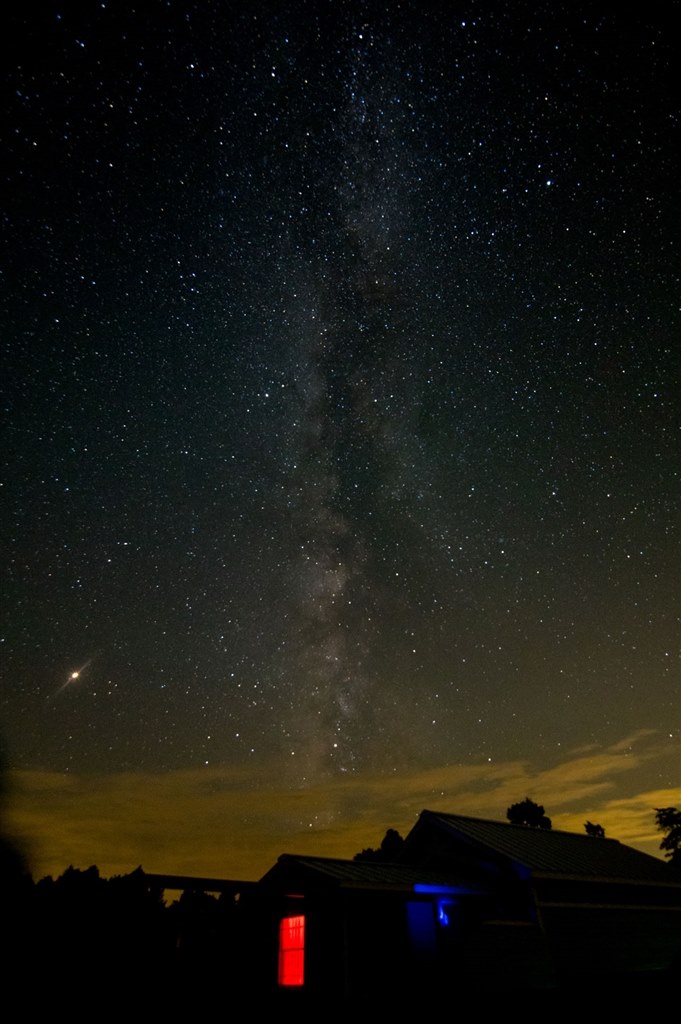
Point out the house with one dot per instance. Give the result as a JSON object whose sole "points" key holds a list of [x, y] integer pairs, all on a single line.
{"points": [[481, 905]]}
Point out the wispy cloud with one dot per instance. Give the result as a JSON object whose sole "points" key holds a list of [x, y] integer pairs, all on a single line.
{"points": [[231, 823]]}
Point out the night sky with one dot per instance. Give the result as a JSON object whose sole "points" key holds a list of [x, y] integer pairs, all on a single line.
{"points": [[340, 423]]}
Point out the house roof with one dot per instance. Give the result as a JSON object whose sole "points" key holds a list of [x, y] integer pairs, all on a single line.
{"points": [[364, 874], [548, 851]]}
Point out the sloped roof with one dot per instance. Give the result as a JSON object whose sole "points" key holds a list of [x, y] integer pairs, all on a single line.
{"points": [[362, 874], [549, 851]]}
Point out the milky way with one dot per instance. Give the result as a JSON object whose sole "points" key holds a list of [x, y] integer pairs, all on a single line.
{"points": [[340, 384]]}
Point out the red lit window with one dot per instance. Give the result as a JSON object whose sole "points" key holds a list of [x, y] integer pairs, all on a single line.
{"points": [[292, 951]]}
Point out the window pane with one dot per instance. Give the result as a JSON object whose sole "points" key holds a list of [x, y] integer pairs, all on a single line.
{"points": [[292, 951]]}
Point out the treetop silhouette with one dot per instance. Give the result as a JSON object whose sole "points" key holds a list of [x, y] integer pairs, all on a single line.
{"points": [[668, 820], [390, 848], [527, 812]]}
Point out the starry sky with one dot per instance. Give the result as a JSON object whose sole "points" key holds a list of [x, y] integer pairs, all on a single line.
{"points": [[340, 418]]}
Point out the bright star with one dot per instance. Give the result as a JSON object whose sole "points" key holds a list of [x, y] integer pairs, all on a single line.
{"points": [[73, 676]]}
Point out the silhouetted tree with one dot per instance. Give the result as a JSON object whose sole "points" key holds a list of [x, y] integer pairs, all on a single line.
{"points": [[527, 812], [390, 848], [594, 830], [668, 819]]}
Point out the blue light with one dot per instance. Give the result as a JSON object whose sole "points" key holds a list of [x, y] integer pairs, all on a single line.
{"points": [[444, 889], [421, 922]]}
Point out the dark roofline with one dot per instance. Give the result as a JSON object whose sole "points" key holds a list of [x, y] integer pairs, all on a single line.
{"points": [[337, 860], [530, 828], [374, 875], [549, 854], [366, 872]]}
